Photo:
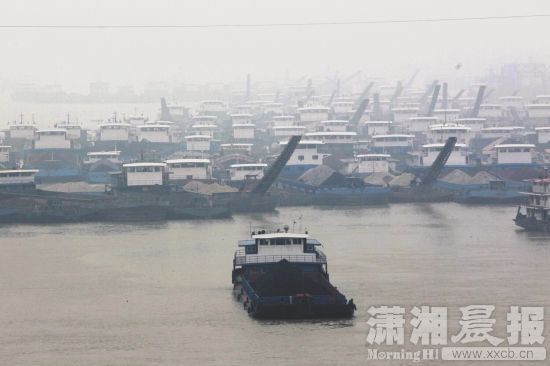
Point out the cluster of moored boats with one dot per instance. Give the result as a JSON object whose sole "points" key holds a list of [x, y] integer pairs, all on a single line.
{"points": [[371, 146]]}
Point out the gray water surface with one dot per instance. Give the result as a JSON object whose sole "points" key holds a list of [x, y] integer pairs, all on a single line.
{"points": [[160, 293]]}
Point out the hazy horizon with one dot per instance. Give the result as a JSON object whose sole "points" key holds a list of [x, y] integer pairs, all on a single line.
{"points": [[75, 57]]}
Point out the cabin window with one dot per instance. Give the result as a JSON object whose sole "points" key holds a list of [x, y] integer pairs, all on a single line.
{"points": [[300, 157], [315, 157]]}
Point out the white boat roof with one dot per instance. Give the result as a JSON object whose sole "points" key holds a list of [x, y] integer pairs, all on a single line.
{"points": [[306, 142], [373, 155], [134, 165], [288, 127], [190, 137], [242, 144], [404, 109], [473, 119], [204, 127], [160, 122], [538, 105], [23, 125], [318, 108], [511, 97], [120, 124], [542, 128], [448, 110], [101, 153], [379, 122], [259, 165], [244, 115], [441, 145], [283, 117], [394, 135], [514, 145], [213, 101], [424, 118], [331, 134], [280, 235], [154, 126], [52, 130], [177, 161], [503, 128], [450, 127], [19, 171], [208, 117], [335, 121]]}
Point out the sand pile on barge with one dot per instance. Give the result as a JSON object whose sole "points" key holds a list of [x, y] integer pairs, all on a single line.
{"points": [[207, 188]]}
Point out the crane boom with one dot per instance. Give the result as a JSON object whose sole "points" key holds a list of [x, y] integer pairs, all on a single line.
{"points": [[433, 102], [275, 169], [165, 114], [479, 100], [354, 120], [439, 162]]}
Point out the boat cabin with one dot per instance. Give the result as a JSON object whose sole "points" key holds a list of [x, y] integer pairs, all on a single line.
{"points": [[144, 174], [514, 153], [334, 125], [204, 120], [492, 111], [96, 156], [241, 172], [447, 115], [185, 169], [440, 133], [372, 163], [22, 131], [241, 118], [282, 121], [342, 107], [198, 142], [74, 132], [5, 154], [543, 135], [404, 114], [475, 124], [244, 131], [136, 120], [215, 107], [273, 247], [306, 155], [114, 132], [156, 133], [371, 128], [206, 130], [332, 137], [458, 157], [236, 148], [283, 133], [52, 139], [310, 115], [539, 111], [392, 144], [17, 177]]}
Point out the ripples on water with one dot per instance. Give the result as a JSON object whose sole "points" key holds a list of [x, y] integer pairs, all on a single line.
{"points": [[160, 293]]}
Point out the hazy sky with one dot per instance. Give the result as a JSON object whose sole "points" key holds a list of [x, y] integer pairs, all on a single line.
{"points": [[75, 57]]}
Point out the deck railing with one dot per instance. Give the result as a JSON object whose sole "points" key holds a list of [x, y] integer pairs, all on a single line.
{"points": [[241, 258]]}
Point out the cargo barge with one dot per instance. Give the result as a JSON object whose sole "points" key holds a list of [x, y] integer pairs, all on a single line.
{"points": [[283, 275]]}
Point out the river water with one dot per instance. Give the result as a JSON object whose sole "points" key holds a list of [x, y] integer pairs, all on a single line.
{"points": [[160, 294]]}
